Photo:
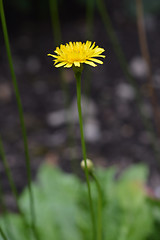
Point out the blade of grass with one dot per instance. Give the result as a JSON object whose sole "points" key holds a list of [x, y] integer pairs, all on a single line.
{"points": [[124, 66], [21, 117]]}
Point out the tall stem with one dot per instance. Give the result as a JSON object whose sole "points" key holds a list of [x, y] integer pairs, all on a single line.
{"points": [[21, 116], [99, 218], [78, 81]]}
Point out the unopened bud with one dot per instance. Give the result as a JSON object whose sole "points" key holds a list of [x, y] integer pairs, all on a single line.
{"points": [[90, 165]]}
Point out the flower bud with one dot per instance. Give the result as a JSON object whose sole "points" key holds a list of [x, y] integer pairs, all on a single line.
{"points": [[90, 165]]}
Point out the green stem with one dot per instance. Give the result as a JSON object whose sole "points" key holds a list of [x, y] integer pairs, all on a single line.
{"points": [[21, 116], [78, 81], [99, 218], [3, 234]]}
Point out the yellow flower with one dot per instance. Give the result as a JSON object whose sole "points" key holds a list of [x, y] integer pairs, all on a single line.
{"points": [[76, 53]]}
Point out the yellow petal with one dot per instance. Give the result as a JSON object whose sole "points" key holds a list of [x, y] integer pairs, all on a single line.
{"points": [[60, 64], [97, 55], [88, 44], [77, 53], [96, 60], [68, 65], [55, 56], [90, 63], [77, 64], [58, 51], [93, 45], [99, 50]]}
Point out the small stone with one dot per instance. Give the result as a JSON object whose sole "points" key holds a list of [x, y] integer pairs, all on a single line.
{"points": [[92, 130], [56, 119], [125, 91], [138, 67]]}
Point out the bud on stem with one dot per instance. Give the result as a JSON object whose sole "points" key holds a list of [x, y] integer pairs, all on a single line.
{"points": [[90, 165]]}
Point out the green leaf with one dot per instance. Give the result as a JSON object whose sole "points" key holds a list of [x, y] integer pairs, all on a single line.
{"points": [[62, 209]]}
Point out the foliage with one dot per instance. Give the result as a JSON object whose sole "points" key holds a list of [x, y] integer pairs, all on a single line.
{"points": [[62, 210]]}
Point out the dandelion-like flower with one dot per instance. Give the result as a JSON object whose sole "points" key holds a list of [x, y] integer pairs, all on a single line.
{"points": [[76, 53]]}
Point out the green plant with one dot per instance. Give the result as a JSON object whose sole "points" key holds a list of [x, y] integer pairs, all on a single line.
{"points": [[62, 207], [75, 54]]}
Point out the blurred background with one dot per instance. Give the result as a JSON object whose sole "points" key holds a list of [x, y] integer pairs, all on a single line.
{"points": [[122, 103]]}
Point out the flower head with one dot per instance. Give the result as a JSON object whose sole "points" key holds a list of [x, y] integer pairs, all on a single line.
{"points": [[76, 53]]}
